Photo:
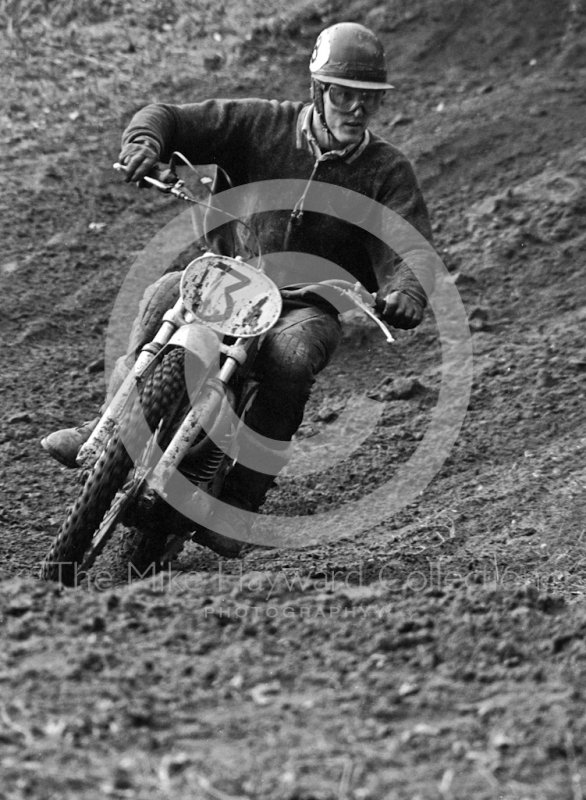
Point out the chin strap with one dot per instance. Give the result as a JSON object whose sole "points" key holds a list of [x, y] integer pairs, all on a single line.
{"points": [[317, 95], [297, 213], [319, 155]]}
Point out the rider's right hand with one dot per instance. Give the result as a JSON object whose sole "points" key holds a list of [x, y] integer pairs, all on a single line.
{"points": [[139, 157]]}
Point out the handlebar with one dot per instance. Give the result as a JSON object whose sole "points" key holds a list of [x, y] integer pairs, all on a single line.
{"points": [[163, 179], [379, 303], [378, 307], [358, 296], [365, 302]]}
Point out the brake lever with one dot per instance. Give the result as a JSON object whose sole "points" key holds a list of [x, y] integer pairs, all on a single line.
{"points": [[368, 310], [360, 303], [156, 182], [167, 188]]}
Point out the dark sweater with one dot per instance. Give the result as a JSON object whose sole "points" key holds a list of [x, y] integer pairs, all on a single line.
{"points": [[260, 140]]}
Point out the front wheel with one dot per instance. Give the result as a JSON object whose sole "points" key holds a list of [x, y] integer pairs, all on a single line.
{"points": [[63, 561], [160, 398]]}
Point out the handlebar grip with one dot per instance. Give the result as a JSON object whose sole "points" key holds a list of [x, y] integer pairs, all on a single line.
{"points": [[379, 304], [160, 176]]}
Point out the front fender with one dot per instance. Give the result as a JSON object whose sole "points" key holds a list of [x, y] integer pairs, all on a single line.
{"points": [[204, 346], [199, 340]]}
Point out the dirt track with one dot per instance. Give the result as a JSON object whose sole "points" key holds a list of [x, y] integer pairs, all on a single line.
{"points": [[440, 655]]}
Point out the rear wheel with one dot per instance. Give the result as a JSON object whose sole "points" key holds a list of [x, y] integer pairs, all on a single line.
{"points": [[150, 547], [161, 397]]}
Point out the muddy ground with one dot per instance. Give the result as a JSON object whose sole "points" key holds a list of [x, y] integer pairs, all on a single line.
{"points": [[439, 655]]}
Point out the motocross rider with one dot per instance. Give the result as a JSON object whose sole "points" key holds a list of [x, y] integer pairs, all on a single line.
{"points": [[254, 140]]}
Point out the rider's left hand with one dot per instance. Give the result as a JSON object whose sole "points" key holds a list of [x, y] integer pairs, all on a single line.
{"points": [[400, 310]]}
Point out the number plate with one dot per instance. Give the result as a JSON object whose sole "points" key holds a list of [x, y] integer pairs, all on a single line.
{"points": [[230, 296]]}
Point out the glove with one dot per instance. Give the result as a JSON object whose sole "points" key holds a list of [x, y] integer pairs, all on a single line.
{"points": [[139, 157], [399, 310]]}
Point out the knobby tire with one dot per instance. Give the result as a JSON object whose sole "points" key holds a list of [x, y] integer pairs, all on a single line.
{"points": [[158, 397]]}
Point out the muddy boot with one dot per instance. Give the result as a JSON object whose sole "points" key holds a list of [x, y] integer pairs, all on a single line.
{"points": [[233, 521], [65, 444]]}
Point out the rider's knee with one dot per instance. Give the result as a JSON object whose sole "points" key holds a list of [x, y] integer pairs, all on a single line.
{"points": [[158, 298]]}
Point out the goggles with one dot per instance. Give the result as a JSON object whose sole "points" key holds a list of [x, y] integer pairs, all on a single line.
{"points": [[346, 99]]}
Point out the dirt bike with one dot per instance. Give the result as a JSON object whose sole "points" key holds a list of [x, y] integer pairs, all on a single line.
{"points": [[166, 441]]}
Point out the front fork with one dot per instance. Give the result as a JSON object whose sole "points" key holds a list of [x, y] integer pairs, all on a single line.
{"points": [[174, 330], [205, 415], [90, 451]]}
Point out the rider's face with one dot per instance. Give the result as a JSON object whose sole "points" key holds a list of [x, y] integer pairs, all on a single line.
{"points": [[346, 126]]}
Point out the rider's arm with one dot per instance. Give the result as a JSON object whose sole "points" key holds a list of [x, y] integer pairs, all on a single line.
{"points": [[410, 267], [211, 132]]}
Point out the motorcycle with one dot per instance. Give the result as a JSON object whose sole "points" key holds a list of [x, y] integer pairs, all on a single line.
{"points": [[165, 443]]}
